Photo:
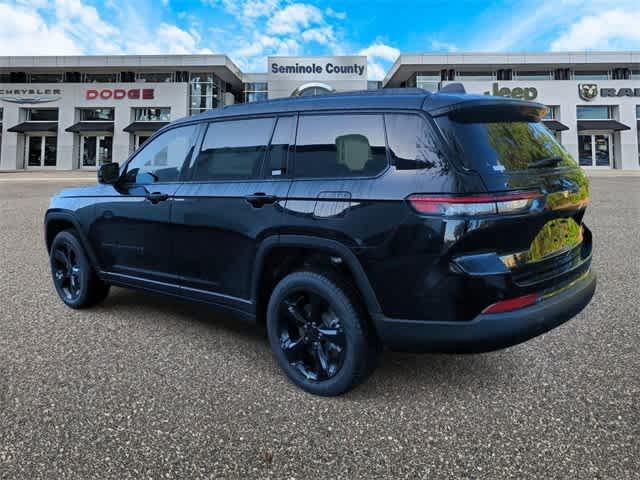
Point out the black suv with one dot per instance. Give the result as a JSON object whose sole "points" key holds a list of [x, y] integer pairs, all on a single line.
{"points": [[345, 223]]}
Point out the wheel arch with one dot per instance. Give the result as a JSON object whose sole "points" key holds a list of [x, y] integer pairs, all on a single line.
{"points": [[57, 221], [315, 244]]}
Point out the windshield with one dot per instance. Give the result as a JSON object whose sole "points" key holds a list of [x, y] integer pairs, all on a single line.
{"points": [[504, 146]]}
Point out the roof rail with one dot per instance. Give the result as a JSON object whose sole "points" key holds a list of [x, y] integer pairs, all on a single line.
{"points": [[353, 93], [453, 88]]}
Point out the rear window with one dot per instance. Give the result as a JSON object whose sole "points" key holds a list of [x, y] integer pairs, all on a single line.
{"points": [[504, 146]]}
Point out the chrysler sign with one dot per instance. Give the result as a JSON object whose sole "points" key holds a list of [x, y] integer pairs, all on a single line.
{"points": [[30, 95]]}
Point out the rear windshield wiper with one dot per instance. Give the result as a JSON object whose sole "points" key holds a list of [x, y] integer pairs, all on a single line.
{"points": [[546, 162]]}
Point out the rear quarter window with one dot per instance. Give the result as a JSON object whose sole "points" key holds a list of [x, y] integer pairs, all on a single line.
{"points": [[413, 143]]}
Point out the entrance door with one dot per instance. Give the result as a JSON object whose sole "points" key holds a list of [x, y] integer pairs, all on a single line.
{"points": [[595, 150], [95, 150], [42, 151]]}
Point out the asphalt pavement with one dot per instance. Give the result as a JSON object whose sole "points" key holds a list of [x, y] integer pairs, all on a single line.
{"points": [[150, 387]]}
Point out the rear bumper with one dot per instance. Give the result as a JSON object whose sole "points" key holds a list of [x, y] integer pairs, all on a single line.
{"points": [[487, 332]]}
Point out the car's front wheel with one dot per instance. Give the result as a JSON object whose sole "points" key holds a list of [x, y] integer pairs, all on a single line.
{"points": [[73, 277], [318, 333]]}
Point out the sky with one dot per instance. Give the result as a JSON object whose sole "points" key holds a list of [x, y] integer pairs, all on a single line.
{"points": [[250, 30]]}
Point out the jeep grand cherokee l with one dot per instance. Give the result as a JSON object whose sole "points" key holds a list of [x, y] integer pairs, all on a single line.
{"points": [[345, 223]]}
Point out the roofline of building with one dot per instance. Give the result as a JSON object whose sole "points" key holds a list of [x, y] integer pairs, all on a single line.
{"points": [[69, 62], [235, 75], [510, 58]]}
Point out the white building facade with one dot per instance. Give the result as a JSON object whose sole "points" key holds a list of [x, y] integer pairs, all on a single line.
{"points": [[593, 97], [69, 113]]}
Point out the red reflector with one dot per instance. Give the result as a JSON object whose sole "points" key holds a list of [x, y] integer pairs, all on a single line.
{"points": [[512, 304]]}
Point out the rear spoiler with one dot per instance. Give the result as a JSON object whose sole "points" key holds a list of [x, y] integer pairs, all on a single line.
{"points": [[492, 110]]}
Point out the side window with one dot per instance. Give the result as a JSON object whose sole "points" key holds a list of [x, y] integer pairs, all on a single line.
{"points": [[280, 146], [162, 159], [233, 149], [340, 146], [412, 143]]}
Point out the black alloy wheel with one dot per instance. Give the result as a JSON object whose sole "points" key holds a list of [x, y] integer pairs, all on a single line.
{"points": [[318, 332], [311, 336], [76, 282], [67, 271]]}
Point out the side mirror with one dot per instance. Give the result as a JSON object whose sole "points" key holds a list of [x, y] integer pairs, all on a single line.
{"points": [[109, 173]]}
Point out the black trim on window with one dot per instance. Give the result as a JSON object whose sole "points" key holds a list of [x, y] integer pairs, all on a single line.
{"points": [[356, 112], [183, 171]]}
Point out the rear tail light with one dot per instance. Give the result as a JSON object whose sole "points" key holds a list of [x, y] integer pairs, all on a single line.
{"points": [[474, 205], [512, 304]]}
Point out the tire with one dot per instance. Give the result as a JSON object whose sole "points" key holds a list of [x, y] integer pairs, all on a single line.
{"points": [[318, 333], [74, 279]]}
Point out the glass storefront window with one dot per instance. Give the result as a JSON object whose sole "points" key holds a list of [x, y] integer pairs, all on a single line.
{"points": [[97, 114], [256, 87], [591, 75], [205, 92], [42, 115], [45, 77], [637, 112], [534, 75], [477, 75], [427, 80], [255, 92], [160, 114], [255, 97], [203, 78], [96, 150], [594, 112], [154, 77], [101, 77], [552, 114]]}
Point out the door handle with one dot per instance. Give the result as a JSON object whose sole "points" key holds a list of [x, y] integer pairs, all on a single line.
{"points": [[259, 199], [156, 197]]}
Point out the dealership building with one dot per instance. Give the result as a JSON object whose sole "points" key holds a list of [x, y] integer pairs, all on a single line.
{"points": [[76, 112]]}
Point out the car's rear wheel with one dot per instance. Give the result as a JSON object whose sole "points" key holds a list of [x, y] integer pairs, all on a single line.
{"points": [[318, 333], [73, 277]]}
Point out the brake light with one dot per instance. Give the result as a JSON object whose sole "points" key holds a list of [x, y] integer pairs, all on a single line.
{"points": [[472, 205], [512, 304]]}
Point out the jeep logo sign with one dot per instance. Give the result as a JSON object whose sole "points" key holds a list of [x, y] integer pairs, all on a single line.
{"points": [[521, 93], [120, 93]]}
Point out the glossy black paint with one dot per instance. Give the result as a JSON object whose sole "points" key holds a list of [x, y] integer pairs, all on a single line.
{"points": [[212, 240]]}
